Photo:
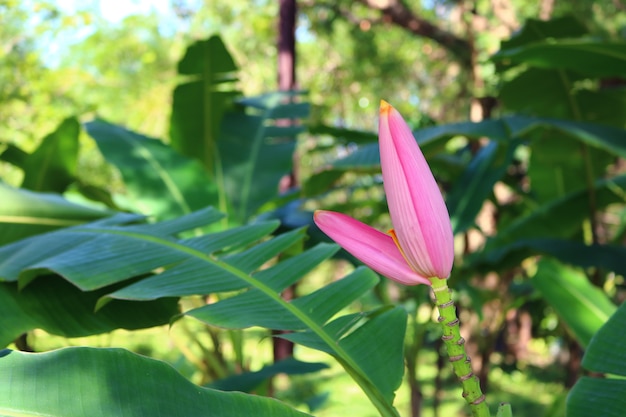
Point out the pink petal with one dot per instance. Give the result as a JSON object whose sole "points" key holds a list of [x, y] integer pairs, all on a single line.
{"points": [[372, 247], [418, 212]]}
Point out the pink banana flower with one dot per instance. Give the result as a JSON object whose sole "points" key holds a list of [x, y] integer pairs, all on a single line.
{"points": [[421, 244]]}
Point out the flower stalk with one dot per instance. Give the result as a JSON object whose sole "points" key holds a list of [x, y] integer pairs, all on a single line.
{"points": [[455, 346]]}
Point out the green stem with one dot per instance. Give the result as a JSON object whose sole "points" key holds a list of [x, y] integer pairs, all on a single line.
{"points": [[455, 345]]}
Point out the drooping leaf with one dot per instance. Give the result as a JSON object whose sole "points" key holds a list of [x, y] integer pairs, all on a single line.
{"points": [[599, 136], [509, 128], [25, 213], [248, 381], [160, 182], [583, 307], [59, 308], [78, 382], [347, 135], [496, 129]]}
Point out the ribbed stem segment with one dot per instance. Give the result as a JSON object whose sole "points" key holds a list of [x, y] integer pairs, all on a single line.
{"points": [[455, 345]]}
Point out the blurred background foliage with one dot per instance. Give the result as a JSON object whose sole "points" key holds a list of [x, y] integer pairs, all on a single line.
{"points": [[519, 107]]}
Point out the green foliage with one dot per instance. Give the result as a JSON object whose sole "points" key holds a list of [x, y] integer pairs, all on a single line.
{"points": [[246, 145], [199, 104], [563, 138], [25, 213], [474, 186], [256, 150], [605, 358], [52, 167], [249, 381], [158, 180], [559, 63], [582, 306], [56, 306], [551, 146], [120, 261], [48, 383]]}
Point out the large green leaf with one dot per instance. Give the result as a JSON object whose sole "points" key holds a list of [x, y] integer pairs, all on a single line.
{"points": [[366, 159], [246, 146], [190, 276], [595, 58], [559, 165], [535, 30], [42, 300], [604, 355], [199, 104], [592, 394], [343, 134], [256, 147], [159, 181], [58, 307], [552, 134], [508, 128], [583, 307], [384, 365], [548, 228], [79, 382], [242, 311], [52, 166], [561, 217], [476, 183], [563, 72], [25, 213], [555, 86], [147, 261], [606, 257]]}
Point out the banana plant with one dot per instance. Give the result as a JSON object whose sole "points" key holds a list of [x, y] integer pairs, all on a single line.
{"points": [[125, 264]]}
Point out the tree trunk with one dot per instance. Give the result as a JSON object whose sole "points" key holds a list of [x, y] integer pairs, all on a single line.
{"points": [[287, 45], [286, 82]]}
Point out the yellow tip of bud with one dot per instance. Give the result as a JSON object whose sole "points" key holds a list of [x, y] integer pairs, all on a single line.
{"points": [[385, 107]]}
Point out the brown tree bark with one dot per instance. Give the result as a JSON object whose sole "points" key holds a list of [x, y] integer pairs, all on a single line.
{"points": [[398, 13], [287, 45], [286, 82]]}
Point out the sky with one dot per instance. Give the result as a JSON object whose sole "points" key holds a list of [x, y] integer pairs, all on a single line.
{"points": [[112, 11], [116, 10]]}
